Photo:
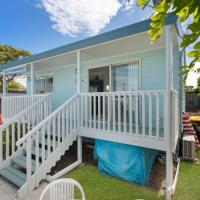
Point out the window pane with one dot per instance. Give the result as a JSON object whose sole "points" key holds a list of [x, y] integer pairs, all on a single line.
{"points": [[49, 84], [99, 79], [40, 84], [125, 77]]}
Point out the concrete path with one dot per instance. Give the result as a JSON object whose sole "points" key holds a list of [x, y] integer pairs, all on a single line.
{"points": [[9, 191]]}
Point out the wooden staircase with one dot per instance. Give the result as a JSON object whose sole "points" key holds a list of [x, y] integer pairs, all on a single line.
{"points": [[26, 161]]}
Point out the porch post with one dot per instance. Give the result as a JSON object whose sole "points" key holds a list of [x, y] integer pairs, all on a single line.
{"points": [[79, 141], [78, 72], [168, 110], [32, 79], [4, 84]]}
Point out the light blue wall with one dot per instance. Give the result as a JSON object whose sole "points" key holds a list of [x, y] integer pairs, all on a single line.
{"points": [[152, 73]]}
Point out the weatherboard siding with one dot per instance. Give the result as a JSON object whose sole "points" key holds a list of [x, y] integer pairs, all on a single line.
{"points": [[152, 73]]}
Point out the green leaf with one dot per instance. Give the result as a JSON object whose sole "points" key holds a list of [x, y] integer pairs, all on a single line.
{"points": [[194, 54], [197, 46], [183, 14], [159, 16], [162, 7], [157, 23], [141, 2], [194, 27], [189, 39]]}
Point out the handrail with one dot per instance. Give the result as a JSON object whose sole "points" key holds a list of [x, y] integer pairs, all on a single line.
{"points": [[12, 105], [57, 131], [21, 124], [124, 92], [39, 126], [6, 123]]}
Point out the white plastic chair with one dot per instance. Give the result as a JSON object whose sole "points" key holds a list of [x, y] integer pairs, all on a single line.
{"points": [[62, 189]]}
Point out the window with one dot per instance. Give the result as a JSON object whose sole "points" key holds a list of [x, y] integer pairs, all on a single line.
{"points": [[44, 84], [125, 77]]}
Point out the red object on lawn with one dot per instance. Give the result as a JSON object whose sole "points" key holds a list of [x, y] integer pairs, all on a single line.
{"points": [[189, 129], [0, 119]]}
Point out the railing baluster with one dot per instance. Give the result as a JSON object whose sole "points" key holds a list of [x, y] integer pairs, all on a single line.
{"points": [[90, 111], [58, 127], [75, 117], [104, 111], [18, 129], [109, 112], [7, 142], [63, 125], [13, 137], [99, 112], [94, 111], [43, 142], [114, 127], [143, 114], [136, 114], [86, 111], [23, 125], [37, 156], [54, 133], [70, 119], [124, 112], [130, 114], [81, 110], [28, 163], [157, 115], [49, 137], [119, 113], [150, 115], [67, 121]]}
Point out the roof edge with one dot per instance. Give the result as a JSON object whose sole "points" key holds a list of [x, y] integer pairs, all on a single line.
{"points": [[91, 41]]}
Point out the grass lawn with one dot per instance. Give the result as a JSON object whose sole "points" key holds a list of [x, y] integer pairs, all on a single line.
{"points": [[98, 186], [188, 187]]}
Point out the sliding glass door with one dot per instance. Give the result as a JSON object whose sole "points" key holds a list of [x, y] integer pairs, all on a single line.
{"points": [[125, 77]]}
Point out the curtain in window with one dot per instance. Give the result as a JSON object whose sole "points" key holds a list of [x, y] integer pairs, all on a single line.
{"points": [[125, 77]]}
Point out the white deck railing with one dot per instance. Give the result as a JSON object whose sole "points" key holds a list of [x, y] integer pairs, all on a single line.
{"points": [[19, 125], [57, 131], [138, 113], [13, 105]]}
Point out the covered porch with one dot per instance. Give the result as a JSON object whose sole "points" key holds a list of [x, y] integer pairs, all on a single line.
{"points": [[121, 89]]}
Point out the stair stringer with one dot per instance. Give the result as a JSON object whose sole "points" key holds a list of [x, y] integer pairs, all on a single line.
{"points": [[45, 168]]}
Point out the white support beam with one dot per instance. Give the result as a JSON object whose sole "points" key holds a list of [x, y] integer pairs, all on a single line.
{"points": [[32, 80], [78, 72], [4, 84], [168, 110], [79, 141]]}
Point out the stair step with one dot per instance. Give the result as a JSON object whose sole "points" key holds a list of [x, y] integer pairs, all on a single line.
{"points": [[13, 175], [47, 142], [40, 152], [21, 161]]}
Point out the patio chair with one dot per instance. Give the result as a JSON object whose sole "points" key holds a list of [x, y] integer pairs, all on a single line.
{"points": [[62, 189]]}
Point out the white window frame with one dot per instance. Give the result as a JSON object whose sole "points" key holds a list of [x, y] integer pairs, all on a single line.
{"points": [[45, 75]]}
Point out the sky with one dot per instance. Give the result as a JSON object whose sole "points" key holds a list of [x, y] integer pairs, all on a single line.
{"points": [[40, 25]]}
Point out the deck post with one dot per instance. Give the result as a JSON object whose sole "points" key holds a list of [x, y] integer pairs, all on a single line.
{"points": [[168, 110], [4, 84], [79, 141], [32, 79]]}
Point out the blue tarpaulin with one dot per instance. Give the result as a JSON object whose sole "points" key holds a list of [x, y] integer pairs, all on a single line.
{"points": [[127, 162]]}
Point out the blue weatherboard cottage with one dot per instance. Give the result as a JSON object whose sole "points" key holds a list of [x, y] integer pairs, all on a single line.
{"points": [[115, 87]]}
